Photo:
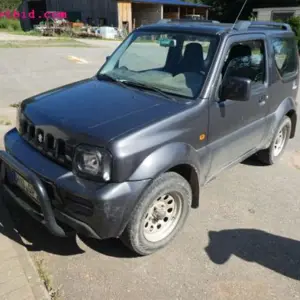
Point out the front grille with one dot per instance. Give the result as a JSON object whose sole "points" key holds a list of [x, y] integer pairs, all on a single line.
{"points": [[46, 143]]}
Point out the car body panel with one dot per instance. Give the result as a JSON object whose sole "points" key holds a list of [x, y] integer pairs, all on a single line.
{"points": [[146, 134]]}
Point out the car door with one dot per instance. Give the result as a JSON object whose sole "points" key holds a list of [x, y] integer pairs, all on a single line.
{"points": [[238, 127]]}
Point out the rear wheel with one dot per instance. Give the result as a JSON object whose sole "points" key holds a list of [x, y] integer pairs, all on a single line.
{"points": [[271, 155], [160, 214]]}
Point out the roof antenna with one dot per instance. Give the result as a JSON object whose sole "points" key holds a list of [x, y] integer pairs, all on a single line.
{"points": [[239, 14]]}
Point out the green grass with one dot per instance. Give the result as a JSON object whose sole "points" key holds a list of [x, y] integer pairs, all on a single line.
{"points": [[21, 32], [55, 294], [5, 122], [11, 25], [15, 105], [58, 42]]}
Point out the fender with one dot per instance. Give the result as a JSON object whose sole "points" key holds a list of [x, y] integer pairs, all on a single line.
{"points": [[170, 156], [166, 158], [287, 107]]}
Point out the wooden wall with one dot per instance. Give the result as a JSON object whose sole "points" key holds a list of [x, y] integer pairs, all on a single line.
{"points": [[144, 14], [125, 14]]}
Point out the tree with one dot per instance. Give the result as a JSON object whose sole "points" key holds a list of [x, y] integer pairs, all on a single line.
{"points": [[9, 4], [228, 10]]}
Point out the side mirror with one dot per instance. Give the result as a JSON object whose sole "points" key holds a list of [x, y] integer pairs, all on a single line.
{"points": [[235, 89]]}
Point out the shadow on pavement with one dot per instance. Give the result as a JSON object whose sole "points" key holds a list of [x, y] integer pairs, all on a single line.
{"points": [[38, 238], [253, 161], [276, 253]]}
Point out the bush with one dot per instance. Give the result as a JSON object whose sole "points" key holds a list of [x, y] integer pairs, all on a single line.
{"points": [[294, 22], [9, 4], [10, 24]]}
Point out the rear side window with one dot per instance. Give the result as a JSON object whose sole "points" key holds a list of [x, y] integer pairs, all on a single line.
{"points": [[286, 56]]}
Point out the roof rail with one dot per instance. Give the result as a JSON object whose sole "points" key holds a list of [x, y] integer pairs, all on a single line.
{"points": [[245, 25]]}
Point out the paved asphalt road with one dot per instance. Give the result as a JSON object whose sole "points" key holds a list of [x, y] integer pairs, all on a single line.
{"points": [[243, 242], [27, 71]]}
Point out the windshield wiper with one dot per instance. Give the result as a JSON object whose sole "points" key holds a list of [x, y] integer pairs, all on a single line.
{"points": [[146, 87], [125, 83], [110, 78]]}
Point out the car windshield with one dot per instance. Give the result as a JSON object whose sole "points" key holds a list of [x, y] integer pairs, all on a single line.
{"points": [[173, 63]]}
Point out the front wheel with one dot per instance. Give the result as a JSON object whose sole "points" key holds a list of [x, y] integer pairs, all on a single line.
{"points": [[160, 214], [271, 155]]}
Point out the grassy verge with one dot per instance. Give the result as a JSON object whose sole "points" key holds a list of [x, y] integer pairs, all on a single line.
{"points": [[11, 25], [59, 42], [5, 122], [55, 294], [15, 105]]}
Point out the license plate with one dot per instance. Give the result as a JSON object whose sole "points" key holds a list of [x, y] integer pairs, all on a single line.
{"points": [[26, 187]]}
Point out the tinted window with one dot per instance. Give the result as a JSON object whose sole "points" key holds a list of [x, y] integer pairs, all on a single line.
{"points": [[246, 59], [285, 55]]}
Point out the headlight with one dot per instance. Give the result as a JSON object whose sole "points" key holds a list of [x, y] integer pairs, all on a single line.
{"points": [[92, 163]]}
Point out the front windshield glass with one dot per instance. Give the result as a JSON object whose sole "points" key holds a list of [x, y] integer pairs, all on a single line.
{"points": [[174, 63]]}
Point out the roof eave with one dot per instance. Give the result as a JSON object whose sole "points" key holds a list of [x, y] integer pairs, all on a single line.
{"points": [[184, 4]]}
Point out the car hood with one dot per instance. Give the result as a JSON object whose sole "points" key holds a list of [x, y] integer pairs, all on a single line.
{"points": [[98, 109]]}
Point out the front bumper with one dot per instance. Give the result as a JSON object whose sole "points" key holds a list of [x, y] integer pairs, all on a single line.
{"points": [[65, 201]]}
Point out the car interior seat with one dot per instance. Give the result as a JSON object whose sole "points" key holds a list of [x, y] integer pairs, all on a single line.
{"points": [[237, 51], [192, 60]]}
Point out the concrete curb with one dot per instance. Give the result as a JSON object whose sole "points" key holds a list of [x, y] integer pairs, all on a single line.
{"points": [[35, 283], [38, 289]]}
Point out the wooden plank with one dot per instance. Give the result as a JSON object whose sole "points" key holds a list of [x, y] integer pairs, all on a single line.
{"points": [[125, 14]]}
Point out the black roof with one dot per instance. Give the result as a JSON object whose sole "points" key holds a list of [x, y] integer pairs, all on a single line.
{"points": [[215, 27]]}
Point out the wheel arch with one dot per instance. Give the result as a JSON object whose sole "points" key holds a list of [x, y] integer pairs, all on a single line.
{"points": [[189, 173], [293, 116], [286, 108], [180, 158]]}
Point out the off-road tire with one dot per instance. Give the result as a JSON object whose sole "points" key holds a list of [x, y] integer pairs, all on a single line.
{"points": [[268, 156], [133, 236]]}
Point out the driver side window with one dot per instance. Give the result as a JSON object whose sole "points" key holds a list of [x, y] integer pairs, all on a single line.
{"points": [[245, 60]]}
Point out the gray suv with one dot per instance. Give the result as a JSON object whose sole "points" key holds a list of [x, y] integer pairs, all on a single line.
{"points": [[124, 154]]}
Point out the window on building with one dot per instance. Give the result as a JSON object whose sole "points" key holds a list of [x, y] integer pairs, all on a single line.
{"points": [[285, 56], [282, 16]]}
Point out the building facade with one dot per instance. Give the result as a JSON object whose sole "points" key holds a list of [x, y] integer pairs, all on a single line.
{"points": [[118, 13], [276, 13]]}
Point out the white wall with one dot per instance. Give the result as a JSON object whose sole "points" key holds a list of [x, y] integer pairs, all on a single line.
{"points": [[265, 14]]}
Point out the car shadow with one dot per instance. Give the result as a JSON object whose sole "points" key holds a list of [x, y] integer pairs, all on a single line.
{"points": [[35, 237], [276, 253], [253, 161]]}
